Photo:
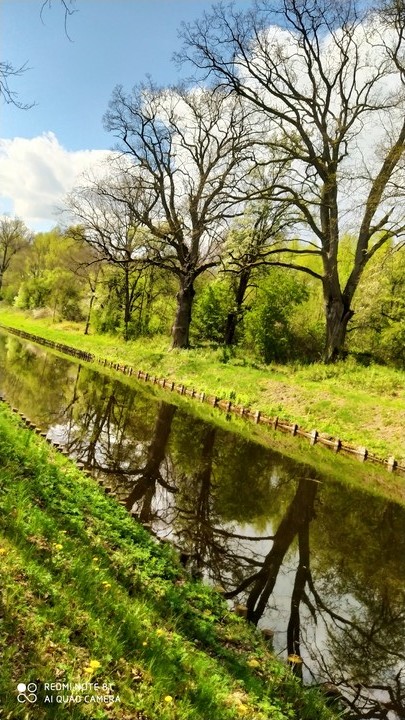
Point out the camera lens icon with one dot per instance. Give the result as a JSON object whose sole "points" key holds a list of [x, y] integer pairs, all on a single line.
{"points": [[27, 693]]}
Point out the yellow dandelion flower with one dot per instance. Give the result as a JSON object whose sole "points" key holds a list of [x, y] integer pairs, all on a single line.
{"points": [[3, 551], [168, 699], [144, 643], [106, 584], [92, 666], [160, 632], [253, 663], [295, 659]]}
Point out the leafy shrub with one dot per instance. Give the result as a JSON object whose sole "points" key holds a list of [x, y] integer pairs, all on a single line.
{"points": [[268, 324], [211, 311]]}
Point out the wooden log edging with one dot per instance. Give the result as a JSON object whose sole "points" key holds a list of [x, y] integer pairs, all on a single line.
{"points": [[256, 416]]}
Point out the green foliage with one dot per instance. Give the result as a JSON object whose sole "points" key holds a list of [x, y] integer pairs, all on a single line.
{"points": [[268, 325], [57, 289], [48, 280], [211, 309], [379, 322], [151, 306]]}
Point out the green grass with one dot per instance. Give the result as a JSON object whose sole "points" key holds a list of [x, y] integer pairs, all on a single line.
{"points": [[361, 405], [88, 595]]}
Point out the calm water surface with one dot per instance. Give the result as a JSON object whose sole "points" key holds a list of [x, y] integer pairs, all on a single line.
{"points": [[319, 563]]}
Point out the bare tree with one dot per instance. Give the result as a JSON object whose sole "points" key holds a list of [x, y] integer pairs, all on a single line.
{"points": [[14, 237], [319, 71], [111, 229], [190, 154], [9, 71]]}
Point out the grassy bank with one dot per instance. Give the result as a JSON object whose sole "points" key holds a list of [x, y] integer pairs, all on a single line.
{"points": [[88, 596], [362, 405]]}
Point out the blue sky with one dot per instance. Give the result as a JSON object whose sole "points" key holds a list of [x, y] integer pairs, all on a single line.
{"points": [[112, 41]]}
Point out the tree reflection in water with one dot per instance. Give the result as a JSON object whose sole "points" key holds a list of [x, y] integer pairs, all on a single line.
{"points": [[321, 562]]}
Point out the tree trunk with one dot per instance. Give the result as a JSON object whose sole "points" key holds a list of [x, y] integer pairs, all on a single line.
{"points": [[181, 327], [127, 306], [86, 329], [233, 317], [338, 314]]}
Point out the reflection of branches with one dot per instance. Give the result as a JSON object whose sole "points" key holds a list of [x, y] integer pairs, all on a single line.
{"points": [[368, 634], [301, 578], [150, 474], [298, 514], [228, 533]]}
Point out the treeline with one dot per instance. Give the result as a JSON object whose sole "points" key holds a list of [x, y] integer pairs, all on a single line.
{"points": [[274, 315], [286, 153]]}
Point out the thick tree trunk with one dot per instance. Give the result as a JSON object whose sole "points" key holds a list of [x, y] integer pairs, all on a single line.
{"points": [[338, 314], [181, 326]]}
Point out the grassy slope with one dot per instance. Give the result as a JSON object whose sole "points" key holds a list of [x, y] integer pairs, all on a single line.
{"points": [[365, 406], [87, 594]]}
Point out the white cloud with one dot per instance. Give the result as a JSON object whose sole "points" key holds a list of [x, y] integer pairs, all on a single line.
{"points": [[36, 174]]}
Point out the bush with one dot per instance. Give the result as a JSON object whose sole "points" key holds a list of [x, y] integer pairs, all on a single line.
{"points": [[268, 325], [211, 311]]}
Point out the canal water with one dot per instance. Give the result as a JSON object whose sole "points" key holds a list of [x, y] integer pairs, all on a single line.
{"points": [[319, 563]]}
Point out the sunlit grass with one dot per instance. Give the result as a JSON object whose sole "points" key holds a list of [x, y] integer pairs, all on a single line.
{"points": [[362, 405], [88, 595]]}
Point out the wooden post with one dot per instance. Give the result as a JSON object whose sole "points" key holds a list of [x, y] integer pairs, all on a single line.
{"points": [[294, 429], [337, 446], [228, 407], [275, 422], [257, 417], [172, 386], [363, 452], [268, 635], [391, 464], [215, 401], [202, 397], [314, 437]]}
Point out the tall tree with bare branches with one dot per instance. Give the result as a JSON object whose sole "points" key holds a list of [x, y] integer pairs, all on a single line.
{"points": [[188, 157], [330, 77]]}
